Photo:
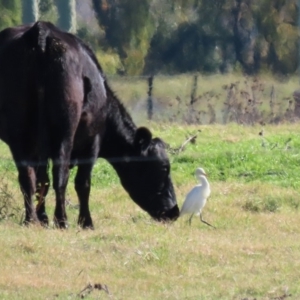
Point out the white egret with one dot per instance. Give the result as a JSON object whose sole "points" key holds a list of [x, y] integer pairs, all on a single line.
{"points": [[195, 200]]}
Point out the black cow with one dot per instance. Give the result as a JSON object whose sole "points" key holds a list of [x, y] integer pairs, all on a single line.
{"points": [[55, 104]]}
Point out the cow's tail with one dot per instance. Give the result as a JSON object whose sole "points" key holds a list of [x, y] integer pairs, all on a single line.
{"points": [[36, 37]]}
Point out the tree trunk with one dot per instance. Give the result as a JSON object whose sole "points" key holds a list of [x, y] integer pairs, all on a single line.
{"points": [[30, 11], [67, 15]]}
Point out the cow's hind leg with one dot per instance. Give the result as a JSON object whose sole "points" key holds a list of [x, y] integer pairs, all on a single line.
{"points": [[83, 184], [60, 181], [42, 187], [60, 172], [27, 180], [27, 184]]}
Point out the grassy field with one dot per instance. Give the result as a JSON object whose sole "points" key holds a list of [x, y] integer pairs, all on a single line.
{"points": [[254, 252]]}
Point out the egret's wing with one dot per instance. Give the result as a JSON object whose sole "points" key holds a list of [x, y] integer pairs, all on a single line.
{"points": [[191, 201], [204, 191]]}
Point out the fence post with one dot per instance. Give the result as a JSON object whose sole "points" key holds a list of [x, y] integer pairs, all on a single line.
{"points": [[272, 100], [194, 89], [296, 96], [150, 100]]}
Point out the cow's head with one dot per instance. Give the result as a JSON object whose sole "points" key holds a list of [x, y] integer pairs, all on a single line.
{"points": [[146, 177]]}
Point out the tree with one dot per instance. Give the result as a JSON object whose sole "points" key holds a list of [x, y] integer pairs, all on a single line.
{"points": [[189, 38], [48, 11], [67, 15], [128, 27], [30, 11], [245, 36], [280, 30]]}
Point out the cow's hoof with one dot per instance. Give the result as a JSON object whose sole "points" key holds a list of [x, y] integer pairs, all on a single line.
{"points": [[61, 224], [43, 218], [30, 220], [29, 223], [86, 223]]}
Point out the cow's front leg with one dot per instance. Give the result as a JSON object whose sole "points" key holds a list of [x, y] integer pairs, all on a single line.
{"points": [[83, 183], [83, 187]]}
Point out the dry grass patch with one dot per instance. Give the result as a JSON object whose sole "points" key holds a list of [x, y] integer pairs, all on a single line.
{"points": [[250, 254]]}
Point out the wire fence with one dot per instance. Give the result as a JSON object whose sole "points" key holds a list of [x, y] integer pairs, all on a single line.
{"points": [[195, 99]]}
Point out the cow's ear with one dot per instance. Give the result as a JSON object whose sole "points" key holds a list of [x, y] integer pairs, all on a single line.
{"points": [[142, 138]]}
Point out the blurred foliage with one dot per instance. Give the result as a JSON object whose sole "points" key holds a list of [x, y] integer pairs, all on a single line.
{"points": [[110, 61], [10, 13], [220, 35], [207, 36], [129, 28], [48, 11], [176, 36]]}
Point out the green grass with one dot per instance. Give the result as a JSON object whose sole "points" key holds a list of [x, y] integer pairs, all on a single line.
{"points": [[252, 254]]}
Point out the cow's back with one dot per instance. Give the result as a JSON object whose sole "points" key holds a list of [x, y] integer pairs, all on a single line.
{"points": [[43, 76]]}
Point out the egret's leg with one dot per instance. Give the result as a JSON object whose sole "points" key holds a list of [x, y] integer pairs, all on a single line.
{"points": [[205, 221], [190, 219]]}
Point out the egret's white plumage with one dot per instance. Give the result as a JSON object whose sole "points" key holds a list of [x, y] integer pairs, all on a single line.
{"points": [[196, 199]]}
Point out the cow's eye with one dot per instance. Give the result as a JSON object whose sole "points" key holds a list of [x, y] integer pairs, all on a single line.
{"points": [[165, 169]]}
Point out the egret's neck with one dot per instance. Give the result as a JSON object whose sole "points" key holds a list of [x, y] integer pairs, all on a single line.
{"points": [[203, 180]]}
